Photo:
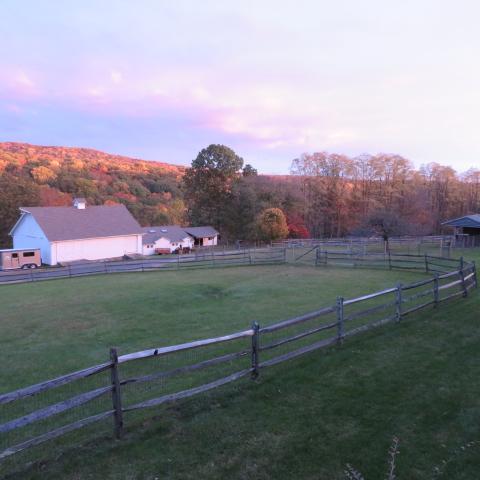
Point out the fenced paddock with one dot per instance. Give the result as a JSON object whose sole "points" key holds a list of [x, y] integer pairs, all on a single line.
{"points": [[397, 261], [87, 402], [202, 259], [442, 245]]}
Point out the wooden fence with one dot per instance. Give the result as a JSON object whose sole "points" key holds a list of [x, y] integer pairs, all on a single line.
{"points": [[198, 260], [442, 244], [349, 258], [176, 372]]}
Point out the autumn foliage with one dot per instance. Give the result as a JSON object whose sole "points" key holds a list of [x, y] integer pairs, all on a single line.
{"points": [[297, 227], [272, 224], [326, 194], [51, 176]]}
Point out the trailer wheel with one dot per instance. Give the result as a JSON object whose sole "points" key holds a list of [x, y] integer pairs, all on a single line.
{"points": [[24, 267], [33, 265]]}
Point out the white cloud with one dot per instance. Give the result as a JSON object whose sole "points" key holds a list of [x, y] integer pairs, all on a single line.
{"points": [[116, 77]]}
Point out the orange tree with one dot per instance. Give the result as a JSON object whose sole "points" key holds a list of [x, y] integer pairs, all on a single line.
{"points": [[272, 224]]}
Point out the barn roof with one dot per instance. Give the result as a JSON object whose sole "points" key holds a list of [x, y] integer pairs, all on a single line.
{"points": [[173, 233], [70, 223], [201, 232], [472, 221]]}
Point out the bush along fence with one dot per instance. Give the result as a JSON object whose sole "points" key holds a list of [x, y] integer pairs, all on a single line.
{"points": [[120, 390], [198, 260]]}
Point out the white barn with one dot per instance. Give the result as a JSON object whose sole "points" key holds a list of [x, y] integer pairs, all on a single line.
{"points": [[165, 239], [67, 234]]}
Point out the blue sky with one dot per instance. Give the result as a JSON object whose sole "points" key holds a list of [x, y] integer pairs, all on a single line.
{"points": [[161, 79]]}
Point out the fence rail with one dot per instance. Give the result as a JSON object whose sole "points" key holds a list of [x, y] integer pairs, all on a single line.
{"points": [[257, 347], [208, 259]]}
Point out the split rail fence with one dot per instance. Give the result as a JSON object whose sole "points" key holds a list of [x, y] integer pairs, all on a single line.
{"points": [[118, 391], [349, 258], [442, 244], [179, 262]]}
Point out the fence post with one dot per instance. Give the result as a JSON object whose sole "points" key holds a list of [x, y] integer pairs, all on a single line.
{"points": [[116, 394], [255, 348], [426, 263], [340, 326], [475, 274], [398, 302], [464, 284], [389, 260], [435, 291], [285, 255], [462, 277]]}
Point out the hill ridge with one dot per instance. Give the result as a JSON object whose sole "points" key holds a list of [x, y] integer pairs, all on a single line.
{"points": [[25, 147]]}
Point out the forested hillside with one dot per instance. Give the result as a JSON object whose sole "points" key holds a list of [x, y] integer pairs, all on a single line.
{"points": [[48, 176], [325, 195]]}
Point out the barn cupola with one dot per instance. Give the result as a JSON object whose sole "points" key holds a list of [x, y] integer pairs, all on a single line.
{"points": [[79, 203]]}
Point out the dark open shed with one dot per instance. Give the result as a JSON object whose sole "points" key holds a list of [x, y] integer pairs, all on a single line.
{"points": [[466, 229]]}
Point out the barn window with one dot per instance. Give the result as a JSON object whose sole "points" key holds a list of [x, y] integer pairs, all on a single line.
{"points": [[28, 254], [14, 255]]}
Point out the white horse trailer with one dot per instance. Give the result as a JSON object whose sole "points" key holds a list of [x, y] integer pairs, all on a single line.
{"points": [[11, 259]]}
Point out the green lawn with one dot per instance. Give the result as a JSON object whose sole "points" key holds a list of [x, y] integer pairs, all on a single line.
{"points": [[71, 324], [303, 419]]}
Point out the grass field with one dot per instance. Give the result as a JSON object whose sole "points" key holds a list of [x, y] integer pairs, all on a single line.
{"points": [[305, 419]]}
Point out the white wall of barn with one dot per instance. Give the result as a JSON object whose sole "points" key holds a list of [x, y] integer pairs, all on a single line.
{"points": [[95, 248], [28, 234]]}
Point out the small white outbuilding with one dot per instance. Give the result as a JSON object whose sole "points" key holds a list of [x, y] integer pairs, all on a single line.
{"points": [[165, 239], [80, 232], [203, 236]]}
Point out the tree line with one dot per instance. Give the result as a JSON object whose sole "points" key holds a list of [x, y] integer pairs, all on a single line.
{"points": [[325, 195], [328, 195]]}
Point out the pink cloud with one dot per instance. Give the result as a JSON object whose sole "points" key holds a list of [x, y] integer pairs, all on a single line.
{"points": [[18, 84], [272, 115]]}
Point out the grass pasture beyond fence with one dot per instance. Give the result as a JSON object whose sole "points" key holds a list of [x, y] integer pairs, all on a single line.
{"points": [[128, 384]]}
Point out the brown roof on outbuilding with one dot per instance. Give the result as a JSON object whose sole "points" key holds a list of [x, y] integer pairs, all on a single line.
{"points": [[70, 223]]}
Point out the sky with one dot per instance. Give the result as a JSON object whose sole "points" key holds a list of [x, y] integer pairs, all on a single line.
{"points": [[272, 79]]}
